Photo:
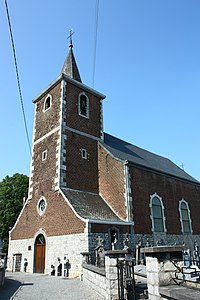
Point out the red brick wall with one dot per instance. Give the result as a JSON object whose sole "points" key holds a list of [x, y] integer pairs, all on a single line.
{"points": [[111, 182], [81, 174], [48, 120], [58, 219], [92, 125], [146, 183]]}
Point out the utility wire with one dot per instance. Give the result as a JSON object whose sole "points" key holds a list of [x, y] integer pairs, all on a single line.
{"points": [[17, 74], [95, 40]]}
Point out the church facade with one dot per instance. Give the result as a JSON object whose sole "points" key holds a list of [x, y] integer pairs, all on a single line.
{"points": [[85, 184]]}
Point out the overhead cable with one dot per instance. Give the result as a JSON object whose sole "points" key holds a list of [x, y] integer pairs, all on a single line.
{"points": [[95, 40], [17, 74]]}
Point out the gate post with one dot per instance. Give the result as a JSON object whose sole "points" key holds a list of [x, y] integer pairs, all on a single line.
{"points": [[111, 278], [111, 258], [159, 268]]}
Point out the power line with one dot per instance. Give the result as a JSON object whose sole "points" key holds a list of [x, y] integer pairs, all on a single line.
{"points": [[95, 40], [17, 74]]}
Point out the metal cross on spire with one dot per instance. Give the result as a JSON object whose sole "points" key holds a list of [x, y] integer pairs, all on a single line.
{"points": [[70, 38]]}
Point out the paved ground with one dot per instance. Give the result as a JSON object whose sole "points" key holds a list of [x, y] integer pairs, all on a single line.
{"points": [[24, 286]]}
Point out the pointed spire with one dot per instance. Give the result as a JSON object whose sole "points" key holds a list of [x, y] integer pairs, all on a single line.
{"points": [[70, 67]]}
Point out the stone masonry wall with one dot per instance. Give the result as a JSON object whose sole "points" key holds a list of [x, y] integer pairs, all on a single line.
{"points": [[56, 247], [95, 281], [111, 182], [106, 286]]}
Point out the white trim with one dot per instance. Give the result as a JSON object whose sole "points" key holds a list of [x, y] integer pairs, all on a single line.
{"points": [[82, 133], [101, 125], [71, 206], [128, 194], [110, 222], [59, 146], [30, 189], [84, 153], [50, 97], [113, 209], [46, 135], [25, 204], [155, 195], [71, 80], [189, 217], [87, 115], [44, 155]]}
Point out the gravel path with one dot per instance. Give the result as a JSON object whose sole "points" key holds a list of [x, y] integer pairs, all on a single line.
{"points": [[25, 286]]}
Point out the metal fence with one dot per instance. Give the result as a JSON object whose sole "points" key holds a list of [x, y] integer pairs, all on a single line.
{"points": [[126, 282]]}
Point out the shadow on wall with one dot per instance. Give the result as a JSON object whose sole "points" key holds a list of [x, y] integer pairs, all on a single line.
{"points": [[10, 287]]}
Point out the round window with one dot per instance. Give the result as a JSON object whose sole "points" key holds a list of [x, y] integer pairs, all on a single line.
{"points": [[41, 206]]}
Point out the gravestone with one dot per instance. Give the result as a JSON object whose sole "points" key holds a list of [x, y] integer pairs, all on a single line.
{"points": [[100, 252]]}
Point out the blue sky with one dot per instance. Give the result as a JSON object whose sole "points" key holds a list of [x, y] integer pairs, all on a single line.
{"points": [[147, 65]]}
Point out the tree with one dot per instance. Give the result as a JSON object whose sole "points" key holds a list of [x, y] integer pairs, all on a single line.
{"points": [[12, 191]]}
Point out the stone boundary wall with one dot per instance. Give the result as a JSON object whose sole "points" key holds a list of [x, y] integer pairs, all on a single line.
{"points": [[94, 280], [104, 285], [2, 276]]}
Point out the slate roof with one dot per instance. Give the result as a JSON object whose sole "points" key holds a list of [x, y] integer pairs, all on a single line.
{"points": [[89, 205], [70, 67], [133, 154]]}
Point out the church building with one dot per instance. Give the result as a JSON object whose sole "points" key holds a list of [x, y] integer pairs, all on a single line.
{"points": [[85, 184]]}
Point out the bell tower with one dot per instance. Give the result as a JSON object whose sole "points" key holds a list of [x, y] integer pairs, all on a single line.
{"points": [[67, 127]]}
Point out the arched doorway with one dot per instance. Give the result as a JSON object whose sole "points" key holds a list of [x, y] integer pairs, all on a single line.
{"points": [[40, 249]]}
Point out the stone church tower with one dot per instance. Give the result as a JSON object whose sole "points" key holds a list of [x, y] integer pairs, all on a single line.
{"points": [[64, 180], [68, 124]]}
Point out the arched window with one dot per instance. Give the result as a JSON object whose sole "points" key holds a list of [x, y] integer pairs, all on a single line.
{"points": [[47, 102], [157, 213], [185, 219], [83, 105]]}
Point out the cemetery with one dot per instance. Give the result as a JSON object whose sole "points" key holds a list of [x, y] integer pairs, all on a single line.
{"points": [[162, 272]]}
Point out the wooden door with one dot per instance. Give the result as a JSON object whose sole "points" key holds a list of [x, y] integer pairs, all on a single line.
{"points": [[40, 249]]}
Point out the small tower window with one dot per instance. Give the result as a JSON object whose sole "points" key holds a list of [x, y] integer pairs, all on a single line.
{"points": [[83, 105], [44, 155], [47, 102], [84, 154]]}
